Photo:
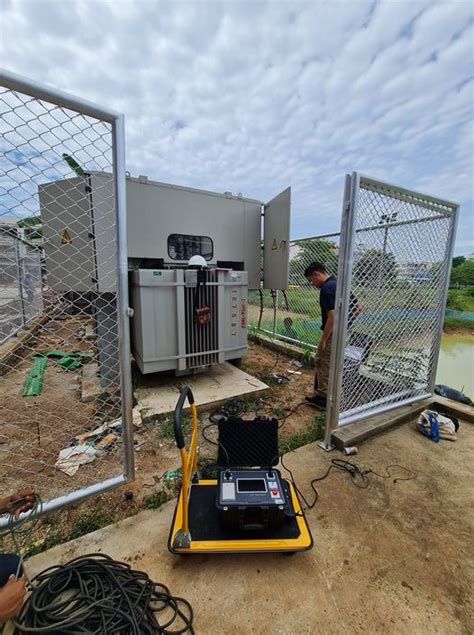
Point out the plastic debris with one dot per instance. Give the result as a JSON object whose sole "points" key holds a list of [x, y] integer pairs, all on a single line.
{"points": [[70, 459], [34, 379], [33, 384]]}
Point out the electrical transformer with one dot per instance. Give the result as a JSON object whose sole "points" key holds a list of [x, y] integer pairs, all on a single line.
{"points": [[192, 256]]}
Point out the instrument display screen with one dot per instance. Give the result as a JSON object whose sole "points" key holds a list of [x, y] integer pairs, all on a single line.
{"points": [[251, 485]]}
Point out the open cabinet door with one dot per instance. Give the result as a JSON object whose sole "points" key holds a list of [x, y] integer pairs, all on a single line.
{"points": [[276, 241]]}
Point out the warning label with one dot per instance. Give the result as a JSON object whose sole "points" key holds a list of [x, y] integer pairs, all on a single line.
{"points": [[66, 238]]}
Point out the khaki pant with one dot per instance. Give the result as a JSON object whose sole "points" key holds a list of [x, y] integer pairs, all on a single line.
{"points": [[323, 359]]}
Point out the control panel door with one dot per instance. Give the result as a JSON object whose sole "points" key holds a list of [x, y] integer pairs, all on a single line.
{"points": [[276, 241]]}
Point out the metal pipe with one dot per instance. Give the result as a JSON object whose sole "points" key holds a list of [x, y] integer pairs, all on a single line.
{"points": [[343, 291], [64, 100], [118, 152], [289, 339], [382, 409], [380, 186], [439, 331], [358, 230], [295, 241], [375, 403], [74, 497]]}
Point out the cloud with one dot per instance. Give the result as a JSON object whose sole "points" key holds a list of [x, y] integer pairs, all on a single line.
{"points": [[252, 97]]}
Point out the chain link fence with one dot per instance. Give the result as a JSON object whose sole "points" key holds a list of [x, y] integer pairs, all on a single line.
{"points": [[395, 261], [294, 316], [393, 258], [21, 296], [62, 403]]}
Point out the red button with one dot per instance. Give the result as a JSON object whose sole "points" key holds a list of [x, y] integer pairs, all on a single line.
{"points": [[274, 492]]}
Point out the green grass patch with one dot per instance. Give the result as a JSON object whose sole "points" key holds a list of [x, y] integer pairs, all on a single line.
{"points": [[90, 522], [314, 433], [460, 300], [157, 499], [452, 323], [34, 548], [166, 426]]}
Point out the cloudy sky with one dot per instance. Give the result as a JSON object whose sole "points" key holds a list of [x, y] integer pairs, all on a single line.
{"points": [[254, 96]]}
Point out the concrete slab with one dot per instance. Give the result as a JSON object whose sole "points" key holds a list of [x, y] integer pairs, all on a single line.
{"points": [[460, 410], [356, 433], [393, 558], [158, 394]]}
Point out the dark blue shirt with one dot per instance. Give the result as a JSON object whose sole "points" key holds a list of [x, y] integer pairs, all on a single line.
{"points": [[327, 299]]}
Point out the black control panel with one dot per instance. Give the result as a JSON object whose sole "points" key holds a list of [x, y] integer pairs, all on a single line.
{"points": [[250, 487]]}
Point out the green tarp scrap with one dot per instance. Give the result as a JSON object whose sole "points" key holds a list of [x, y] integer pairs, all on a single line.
{"points": [[68, 361], [34, 379]]}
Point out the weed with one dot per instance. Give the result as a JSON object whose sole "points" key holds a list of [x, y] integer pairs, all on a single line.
{"points": [[166, 426], [314, 433], [34, 548], [169, 481], [278, 411], [90, 522], [155, 500]]}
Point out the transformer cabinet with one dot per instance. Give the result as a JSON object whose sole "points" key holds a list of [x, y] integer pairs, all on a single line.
{"points": [[193, 255]]}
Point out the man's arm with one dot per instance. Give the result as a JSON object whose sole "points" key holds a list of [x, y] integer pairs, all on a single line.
{"points": [[17, 503], [12, 596], [327, 330]]}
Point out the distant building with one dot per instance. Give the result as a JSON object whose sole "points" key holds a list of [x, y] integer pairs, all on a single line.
{"points": [[28, 233], [414, 271]]}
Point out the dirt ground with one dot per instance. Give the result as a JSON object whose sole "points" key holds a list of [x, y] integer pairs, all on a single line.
{"points": [[393, 558], [59, 415]]}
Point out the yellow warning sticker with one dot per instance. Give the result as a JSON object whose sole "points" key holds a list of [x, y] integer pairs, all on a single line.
{"points": [[66, 238]]}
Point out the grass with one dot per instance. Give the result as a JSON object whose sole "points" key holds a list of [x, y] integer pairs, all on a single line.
{"points": [[166, 426], [314, 433], [454, 323], [461, 300], [157, 499], [90, 522]]}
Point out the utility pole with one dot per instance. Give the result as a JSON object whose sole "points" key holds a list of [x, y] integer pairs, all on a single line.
{"points": [[385, 220]]}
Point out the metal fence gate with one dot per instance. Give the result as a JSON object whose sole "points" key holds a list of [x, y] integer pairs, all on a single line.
{"points": [[395, 260], [66, 371]]}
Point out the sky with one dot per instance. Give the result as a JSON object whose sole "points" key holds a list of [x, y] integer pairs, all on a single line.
{"points": [[254, 96]]}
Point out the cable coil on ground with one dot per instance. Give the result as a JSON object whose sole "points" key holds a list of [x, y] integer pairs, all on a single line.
{"points": [[96, 594]]}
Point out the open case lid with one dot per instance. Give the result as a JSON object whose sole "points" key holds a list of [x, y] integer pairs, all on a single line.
{"points": [[251, 443]]}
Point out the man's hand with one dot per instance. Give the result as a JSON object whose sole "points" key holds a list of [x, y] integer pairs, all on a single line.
{"points": [[17, 503], [322, 345], [11, 598]]}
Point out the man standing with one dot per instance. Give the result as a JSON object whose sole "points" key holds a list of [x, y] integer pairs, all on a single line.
{"points": [[317, 276]]}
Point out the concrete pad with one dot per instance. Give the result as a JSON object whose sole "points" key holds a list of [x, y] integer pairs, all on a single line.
{"points": [[356, 433], [393, 558], [159, 394], [460, 410]]}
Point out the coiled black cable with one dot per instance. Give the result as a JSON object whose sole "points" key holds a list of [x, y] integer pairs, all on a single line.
{"points": [[96, 594]]}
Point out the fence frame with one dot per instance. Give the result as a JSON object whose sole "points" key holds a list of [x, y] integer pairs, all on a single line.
{"points": [[345, 270], [36, 90]]}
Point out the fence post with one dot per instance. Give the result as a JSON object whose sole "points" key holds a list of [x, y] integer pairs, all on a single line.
{"points": [[343, 289], [443, 298]]}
